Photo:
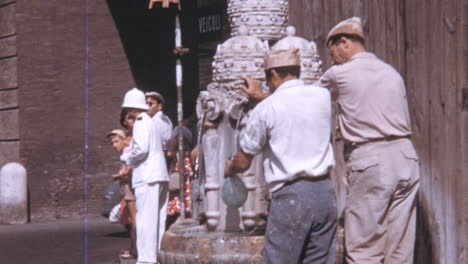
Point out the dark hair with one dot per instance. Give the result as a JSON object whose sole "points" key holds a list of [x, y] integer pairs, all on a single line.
{"points": [[355, 38], [123, 114], [159, 99], [284, 71]]}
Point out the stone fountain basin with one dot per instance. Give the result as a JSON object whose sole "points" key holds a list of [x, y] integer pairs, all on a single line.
{"points": [[186, 242]]}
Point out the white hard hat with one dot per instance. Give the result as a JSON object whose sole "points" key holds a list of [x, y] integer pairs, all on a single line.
{"points": [[135, 99]]}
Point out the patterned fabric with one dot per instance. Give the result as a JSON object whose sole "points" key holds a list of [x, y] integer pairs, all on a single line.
{"points": [[174, 205]]}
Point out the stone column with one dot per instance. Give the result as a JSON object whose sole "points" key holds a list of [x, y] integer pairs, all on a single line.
{"points": [[212, 186]]}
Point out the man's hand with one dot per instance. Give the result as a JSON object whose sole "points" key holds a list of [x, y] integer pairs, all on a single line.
{"points": [[238, 164], [228, 169], [180, 51], [253, 89], [117, 177], [124, 175]]}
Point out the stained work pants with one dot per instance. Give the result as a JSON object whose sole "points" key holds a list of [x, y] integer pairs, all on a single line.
{"points": [[151, 206], [302, 224], [380, 213]]}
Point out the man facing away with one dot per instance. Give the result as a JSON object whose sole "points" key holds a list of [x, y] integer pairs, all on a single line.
{"points": [[374, 122], [292, 129], [149, 179], [155, 101]]}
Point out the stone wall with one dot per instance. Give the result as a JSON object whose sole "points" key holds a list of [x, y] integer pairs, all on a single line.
{"points": [[9, 118], [62, 53]]}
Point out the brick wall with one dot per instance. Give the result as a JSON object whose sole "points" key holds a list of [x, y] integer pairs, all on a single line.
{"points": [[9, 122], [54, 70]]}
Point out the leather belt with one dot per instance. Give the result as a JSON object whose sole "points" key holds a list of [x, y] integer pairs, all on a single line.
{"points": [[349, 147]]}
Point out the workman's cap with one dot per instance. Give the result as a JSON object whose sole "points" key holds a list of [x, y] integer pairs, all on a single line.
{"points": [[282, 58], [135, 98], [116, 132], [351, 26], [156, 96]]}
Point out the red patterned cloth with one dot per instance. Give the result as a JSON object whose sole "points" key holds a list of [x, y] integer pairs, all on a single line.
{"points": [[173, 206]]}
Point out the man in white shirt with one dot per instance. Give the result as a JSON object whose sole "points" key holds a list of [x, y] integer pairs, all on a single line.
{"points": [[155, 101], [292, 129], [380, 213], [149, 179]]}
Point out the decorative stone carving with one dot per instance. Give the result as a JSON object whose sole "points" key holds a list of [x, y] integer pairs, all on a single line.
{"points": [[311, 65], [267, 19], [240, 56], [226, 108]]}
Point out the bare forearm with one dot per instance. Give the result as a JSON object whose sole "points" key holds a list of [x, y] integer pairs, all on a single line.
{"points": [[240, 163]]}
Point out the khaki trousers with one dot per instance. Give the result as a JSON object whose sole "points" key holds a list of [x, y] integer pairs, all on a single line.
{"points": [[380, 213]]}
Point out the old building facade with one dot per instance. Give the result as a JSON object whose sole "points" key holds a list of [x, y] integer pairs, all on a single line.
{"points": [[65, 67]]}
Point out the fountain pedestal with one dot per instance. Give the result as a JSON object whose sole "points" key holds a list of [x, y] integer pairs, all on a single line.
{"points": [[188, 242]]}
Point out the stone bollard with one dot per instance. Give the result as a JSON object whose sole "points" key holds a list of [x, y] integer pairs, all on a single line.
{"points": [[13, 194]]}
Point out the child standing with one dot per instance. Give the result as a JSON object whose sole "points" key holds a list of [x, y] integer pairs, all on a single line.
{"points": [[120, 143]]}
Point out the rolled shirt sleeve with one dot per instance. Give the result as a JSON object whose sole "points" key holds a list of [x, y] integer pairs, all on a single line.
{"points": [[255, 134]]}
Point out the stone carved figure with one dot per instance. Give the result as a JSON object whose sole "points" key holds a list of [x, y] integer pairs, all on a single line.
{"points": [[311, 65], [226, 109]]}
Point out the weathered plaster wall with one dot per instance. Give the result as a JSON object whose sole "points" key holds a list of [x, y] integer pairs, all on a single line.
{"points": [[60, 54]]}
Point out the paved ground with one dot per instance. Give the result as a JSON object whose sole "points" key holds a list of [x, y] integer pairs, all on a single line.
{"points": [[62, 242]]}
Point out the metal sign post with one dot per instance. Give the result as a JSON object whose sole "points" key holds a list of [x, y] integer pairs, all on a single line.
{"points": [[180, 115]]}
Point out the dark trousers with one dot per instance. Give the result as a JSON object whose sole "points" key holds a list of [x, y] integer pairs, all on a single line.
{"points": [[302, 223]]}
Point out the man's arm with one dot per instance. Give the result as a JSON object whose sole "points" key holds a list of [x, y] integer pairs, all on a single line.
{"points": [[166, 130], [253, 89], [140, 145], [252, 140], [124, 174], [240, 163], [328, 80]]}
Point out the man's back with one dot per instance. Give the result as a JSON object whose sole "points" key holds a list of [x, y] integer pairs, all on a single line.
{"points": [[295, 127], [147, 155], [372, 98]]}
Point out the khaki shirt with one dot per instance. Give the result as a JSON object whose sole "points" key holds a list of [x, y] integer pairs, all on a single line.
{"points": [[371, 96]]}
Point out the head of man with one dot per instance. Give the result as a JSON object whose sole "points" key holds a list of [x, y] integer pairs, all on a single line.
{"points": [[155, 102], [282, 66], [345, 40], [117, 139], [126, 120]]}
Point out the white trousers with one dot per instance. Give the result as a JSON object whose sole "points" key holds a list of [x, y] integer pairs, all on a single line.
{"points": [[151, 211]]}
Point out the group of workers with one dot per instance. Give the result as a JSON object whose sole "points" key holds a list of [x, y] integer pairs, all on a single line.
{"points": [[292, 127]]}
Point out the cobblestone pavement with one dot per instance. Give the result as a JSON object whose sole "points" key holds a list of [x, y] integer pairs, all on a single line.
{"points": [[63, 242]]}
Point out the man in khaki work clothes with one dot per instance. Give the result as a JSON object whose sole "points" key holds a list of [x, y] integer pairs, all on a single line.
{"points": [[373, 117]]}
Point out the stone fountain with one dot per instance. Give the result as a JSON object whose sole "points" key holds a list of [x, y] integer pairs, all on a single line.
{"points": [[218, 233]]}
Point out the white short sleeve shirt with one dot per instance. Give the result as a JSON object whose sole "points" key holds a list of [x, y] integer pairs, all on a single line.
{"points": [[292, 128]]}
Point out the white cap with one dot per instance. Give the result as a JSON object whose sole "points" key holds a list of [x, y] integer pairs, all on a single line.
{"points": [[156, 96], [135, 98], [117, 132]]}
